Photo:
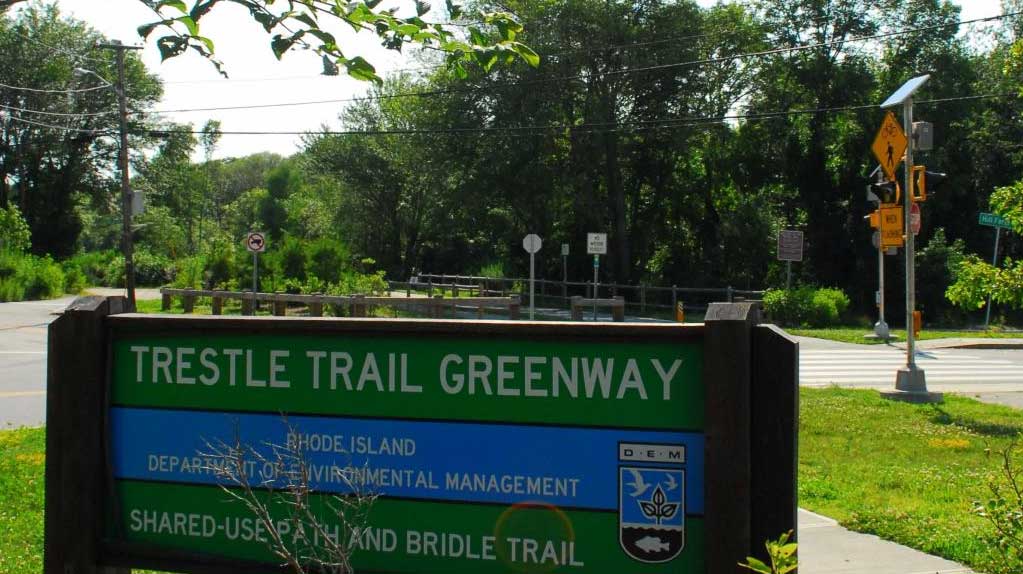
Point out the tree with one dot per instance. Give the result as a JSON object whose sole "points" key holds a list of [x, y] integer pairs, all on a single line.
{"points": [[978, 281], [56, 144]]}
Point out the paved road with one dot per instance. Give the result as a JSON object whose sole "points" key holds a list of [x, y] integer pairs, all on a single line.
{"points": [[23, 360]]}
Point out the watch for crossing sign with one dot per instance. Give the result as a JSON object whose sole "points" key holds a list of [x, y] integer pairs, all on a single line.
{"points": [[889, 145]]}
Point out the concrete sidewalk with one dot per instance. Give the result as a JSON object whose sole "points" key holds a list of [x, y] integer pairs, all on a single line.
{"points": [[827, 548]]}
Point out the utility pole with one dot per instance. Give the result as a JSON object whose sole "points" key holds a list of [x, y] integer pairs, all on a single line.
{"points": [[127, 245]]}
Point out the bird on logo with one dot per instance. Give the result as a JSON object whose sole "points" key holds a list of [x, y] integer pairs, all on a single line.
{"points": [[671, 484], [638, 484]]}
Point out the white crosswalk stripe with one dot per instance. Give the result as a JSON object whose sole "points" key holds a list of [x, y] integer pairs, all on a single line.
{"points": [[874, 366]]}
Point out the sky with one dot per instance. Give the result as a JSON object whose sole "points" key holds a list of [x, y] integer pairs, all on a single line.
{"points": [[256, 77]]}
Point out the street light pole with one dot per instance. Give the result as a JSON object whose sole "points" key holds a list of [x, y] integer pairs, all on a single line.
{"points": [[127, 244]]}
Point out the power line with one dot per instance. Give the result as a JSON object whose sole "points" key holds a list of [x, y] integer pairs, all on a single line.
{"points": [[57, 114], [591, 127], [53, 127], [721, 59], [41, 91]]}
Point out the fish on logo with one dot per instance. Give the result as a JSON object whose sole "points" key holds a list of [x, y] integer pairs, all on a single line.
{"points": [[651, 512]]}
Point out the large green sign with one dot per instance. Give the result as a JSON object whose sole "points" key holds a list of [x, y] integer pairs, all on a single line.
{"points": [[487, 454]]}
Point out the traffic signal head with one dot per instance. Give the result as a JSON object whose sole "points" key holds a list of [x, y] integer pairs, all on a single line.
{"points": [[888, 191], [924, 181]]}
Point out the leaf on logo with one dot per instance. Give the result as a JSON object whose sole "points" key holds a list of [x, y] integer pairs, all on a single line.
{"points": [[649, 509], [669, 510], [658, 497]]}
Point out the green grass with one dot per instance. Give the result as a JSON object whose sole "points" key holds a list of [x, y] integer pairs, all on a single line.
{"points": [[21, 500], [907, 473], [856, 334]]}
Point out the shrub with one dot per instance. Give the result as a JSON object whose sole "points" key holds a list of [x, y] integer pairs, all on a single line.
{"points": [[27, 277], [827, 307], [326, 260], [15, 236], [74, 279], [492, 270], [44, 278], [150, 269], [289, 260], [94, 265], [190, 273], [221, 266], [153, 269], [806, 306]]}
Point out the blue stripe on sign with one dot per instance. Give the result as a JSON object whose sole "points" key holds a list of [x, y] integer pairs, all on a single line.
{"points": [[466, 462]]}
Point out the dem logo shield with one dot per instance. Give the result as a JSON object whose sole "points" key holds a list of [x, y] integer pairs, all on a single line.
{"points": [[651, 512]]}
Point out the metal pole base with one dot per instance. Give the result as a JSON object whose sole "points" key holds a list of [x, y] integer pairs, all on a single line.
{"points": [[880, 331], [911, 387]]}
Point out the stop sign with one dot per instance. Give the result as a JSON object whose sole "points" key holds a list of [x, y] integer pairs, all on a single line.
{"points": [[914, 219]]}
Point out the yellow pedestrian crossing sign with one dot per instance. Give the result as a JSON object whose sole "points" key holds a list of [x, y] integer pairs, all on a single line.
{"points": [[889, 145]]}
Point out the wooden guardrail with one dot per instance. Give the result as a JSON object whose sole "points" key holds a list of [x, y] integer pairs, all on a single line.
{"points": [[437, 306], [640, 298], [617, 305]]}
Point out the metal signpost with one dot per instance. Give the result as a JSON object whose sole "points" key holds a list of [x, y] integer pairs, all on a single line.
{"points": [[532, 243], [999, 223], [790, 248], [910, 382], [596, 245], [256, 244], [881, 327], [564, 264]]}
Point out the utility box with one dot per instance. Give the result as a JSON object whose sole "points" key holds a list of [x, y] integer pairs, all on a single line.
{"points": [[923, 136], [138, 202]]}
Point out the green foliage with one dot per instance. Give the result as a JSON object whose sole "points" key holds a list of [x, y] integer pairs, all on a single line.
{"points": [[27, 277], [281, 183], [75, 280], [161, 232], [48, 172], [1008, 202], [782, 554], [977, 280], [15, 235], [288, 260], [806, 306], [151, 269], [304, 26], [353, 283], [221, 266], [94, 266], [327, 260], [190, 273], [1003, 509], [494, 270], [936, 265]]}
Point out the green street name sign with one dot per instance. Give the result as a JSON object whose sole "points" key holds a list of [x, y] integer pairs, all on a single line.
{"points": [[993, 220]]}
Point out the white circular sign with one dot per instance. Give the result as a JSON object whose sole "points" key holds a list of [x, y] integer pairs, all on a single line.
{"points": [[255, 242], [531, 243]]}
